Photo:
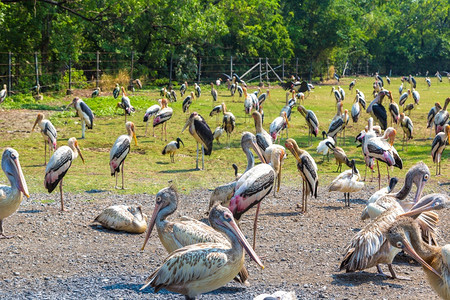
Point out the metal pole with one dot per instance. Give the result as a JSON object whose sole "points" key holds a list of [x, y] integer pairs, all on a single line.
{"points": [[98, 68], [9, 73], [260, 71], [267, 70], [36, 67], [282, 74], [199, 70], [231, 66]]}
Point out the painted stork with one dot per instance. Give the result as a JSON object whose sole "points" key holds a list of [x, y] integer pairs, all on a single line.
{"points": [[95, 93], [431, 114], [171, 148], [162, 117], [138, 82], [198, 90], [233, 86], [228, 122], [123, 218], [439, 76], [412, 81], [49, 134], [336, 76], [379, 78], [441, 117], [59, 164], [394, 110], [254, 185], [377, 110], [187, 103], [218, 132], [250, 102], [291, 101], [388, 80], [120, 150], [404, 234], [85, 114], [201, 132], [369, 247], [428, 80], [339, 155], [308, 170], [356, 110], [347, 182], [213, 93], [11, 196], [338, 123], [342, 92], [125, 104], [408, 127], [204, 267], [183, 88], [311, 120], [278, 125], [116, 91], [404, 98], [263, 139], [352, 84], [408, 108], [416, 96], [322, 148], [181, 233], [163, 92], [263, 97], [173, 95], [152, 111], [400, 90], [240, 90], [3, 94], [337, 94], [438, 146]]}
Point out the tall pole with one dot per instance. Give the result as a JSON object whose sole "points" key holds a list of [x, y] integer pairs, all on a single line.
{"points": [[98, 69], [231, 66], [260, 71], [9, 73], [170, 69], [296, 67], [69, 91], [36, 67], [130, 86], [282, 74], [267, 70], [199, 69]]}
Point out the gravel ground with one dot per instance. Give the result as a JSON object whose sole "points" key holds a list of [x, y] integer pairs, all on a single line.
{"points": [[58, 255]]}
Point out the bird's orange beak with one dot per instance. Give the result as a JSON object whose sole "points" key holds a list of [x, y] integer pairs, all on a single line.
{"points": [[79, 151]]}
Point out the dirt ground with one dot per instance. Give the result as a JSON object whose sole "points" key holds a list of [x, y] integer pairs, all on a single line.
{"points": [[57, 255]]}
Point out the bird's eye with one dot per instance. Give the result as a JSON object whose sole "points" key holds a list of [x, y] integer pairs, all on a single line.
{"points": [[158, 199], [399, 245], [426, 177], [13, 156], [228, 216]]}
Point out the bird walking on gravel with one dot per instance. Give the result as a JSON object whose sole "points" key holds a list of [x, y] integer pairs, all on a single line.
{"points": [[120, 150], [59, 164], [171, 148]]}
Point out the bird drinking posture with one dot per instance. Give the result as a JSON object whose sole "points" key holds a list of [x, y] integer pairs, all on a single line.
{"points": [[201, 132], [85, 113], [125, 104], [204, 267], [438, 146], [405, 235], [308, 170], [152, 111], [184, 232], [59, 164], [11, 196], [171, 148], [311, 120], [347, 182], [120, 150], [162, 117], [123, 218], [279, 124], [48, 131]]}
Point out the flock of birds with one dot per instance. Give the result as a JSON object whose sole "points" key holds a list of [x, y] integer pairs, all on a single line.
{"points": [[203, 258]]}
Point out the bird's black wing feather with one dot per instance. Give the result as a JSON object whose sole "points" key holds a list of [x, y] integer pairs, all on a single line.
{"points": [[205, 134], [88, 111]]}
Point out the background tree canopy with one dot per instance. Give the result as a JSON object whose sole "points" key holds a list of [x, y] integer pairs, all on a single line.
{"points": [[403, 36]]}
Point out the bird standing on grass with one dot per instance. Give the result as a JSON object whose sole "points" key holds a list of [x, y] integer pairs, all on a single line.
{"points": [[438, 146], [152, 111], [407, 126], [59, 164], [3, 94], [48, 131], [162, 117], [171, 148], [116, 91], [228, 123], [125, 104], [120, 150], [84, 112], [202, 134]]}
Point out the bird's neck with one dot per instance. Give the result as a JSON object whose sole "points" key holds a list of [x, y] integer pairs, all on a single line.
{"points": [[406, 188], [236, 250], [250, 159], [163, 214], [258, 125], [425, 251]]}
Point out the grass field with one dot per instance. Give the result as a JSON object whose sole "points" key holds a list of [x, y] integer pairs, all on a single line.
{"points": [[147, 171]]}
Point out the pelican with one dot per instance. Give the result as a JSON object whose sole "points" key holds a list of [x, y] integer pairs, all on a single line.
{"points": [[183, 88], [218, 133], [322, 148], [369, 247], [85, 113], [184, 232], [228, 122], [48, 131], [120, 150], [187, 102], [201, 132], [311, 120], [198, 90], [125, 104], [3, 94], [254, 185], [438, 146], [116, 91], [431, 114], [263, 139], [11, 196], [404, 234], [347, 182], [152, 111], [162, 117], [213, 93], [407, 126], [394, 110], [308, 170], [171, 148], [123, 218], [339, 155], [59, 164], [278, 125], [204, 267], [441, 117]]}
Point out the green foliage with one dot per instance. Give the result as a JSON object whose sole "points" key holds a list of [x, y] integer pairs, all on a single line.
{"points": [[78, 79]]}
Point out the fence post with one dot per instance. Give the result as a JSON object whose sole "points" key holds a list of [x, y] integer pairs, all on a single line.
{"points": [[170, 69], [69, 91], [310, 72], [231, 66], [367, 67], [267, 70], [199, 70], [296, 67], [36, 67], [282, 75], [97, 69], [260, 71], [130, 86], [9, 73]]}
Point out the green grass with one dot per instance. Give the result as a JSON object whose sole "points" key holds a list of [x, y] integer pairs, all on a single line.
{"points": [[147, 171]]}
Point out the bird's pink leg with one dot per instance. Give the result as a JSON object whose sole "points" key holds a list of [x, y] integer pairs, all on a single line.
{"points": [[254, 224], [61, 194]]}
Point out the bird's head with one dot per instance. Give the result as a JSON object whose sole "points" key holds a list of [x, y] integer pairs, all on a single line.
{"points": [[73, 144], [447, 131], [190, 120], [419, 175], [131, 131], [39, 118], [12, 169], [180, 141], [291, 144], [389, 134]]}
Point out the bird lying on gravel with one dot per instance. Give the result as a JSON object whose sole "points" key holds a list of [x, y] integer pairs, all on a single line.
{"points": [[278, 295], [123, 218]]}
